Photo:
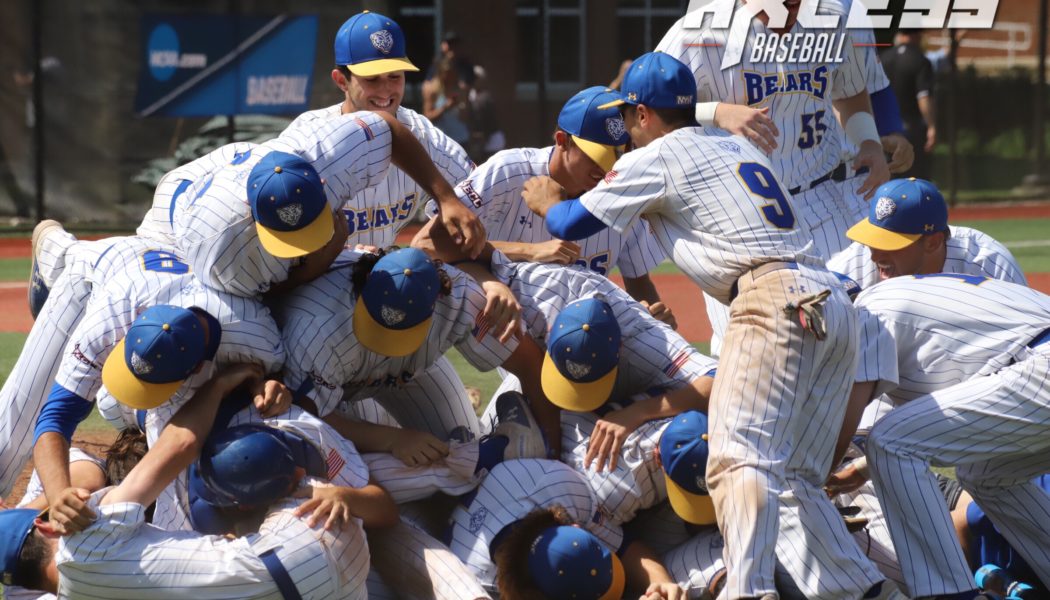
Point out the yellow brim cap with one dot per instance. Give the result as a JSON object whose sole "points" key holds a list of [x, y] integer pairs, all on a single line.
{"points": [[878, 238], [571, 395], [619, 580], [692, 508], [293, 244], [602, 155], [619, 102], [383, 340], [131, 390], [381, 67]]}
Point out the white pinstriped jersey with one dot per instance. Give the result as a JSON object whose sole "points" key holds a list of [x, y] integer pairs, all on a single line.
{"points": [[799, 95], [35, 488], [651, 355], [213, 223], [121, 556], [511, 491], [493, 192], [944, 329], [969, 251], [137, 279], [638, 481], [711, 200], [377, 213], [317, 322]]}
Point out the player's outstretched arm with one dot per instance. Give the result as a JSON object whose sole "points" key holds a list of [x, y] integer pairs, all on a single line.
{"points": [[181, 440], [526, 363], [336, 505], [414, 448], [859, 398], [644, 291], [643, 570], [753, 124], [857, 119], [409, 155]]}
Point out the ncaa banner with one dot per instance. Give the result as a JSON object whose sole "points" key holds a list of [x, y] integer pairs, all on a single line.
{"points": [[206, 65]]}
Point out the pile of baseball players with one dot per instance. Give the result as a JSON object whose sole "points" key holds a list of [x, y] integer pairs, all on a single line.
{"points": [[308, 438]]}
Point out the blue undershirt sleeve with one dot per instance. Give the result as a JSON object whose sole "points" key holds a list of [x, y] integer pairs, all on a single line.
{"points": [[887, 112], [62, 412], [570, 220]]}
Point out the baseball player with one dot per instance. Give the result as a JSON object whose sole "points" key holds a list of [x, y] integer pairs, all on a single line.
{"points": [[805, 116], [969, 365], [375, 326], [144, 291], [587, 142], [286, 557], [522, 495], [906, 232], [725, 219], [370, 72]]}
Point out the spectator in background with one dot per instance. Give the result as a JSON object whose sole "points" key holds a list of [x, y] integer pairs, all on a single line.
{"points": [[911, 75], [446, 102], [486, 137], [453, 50], [615, 83]]}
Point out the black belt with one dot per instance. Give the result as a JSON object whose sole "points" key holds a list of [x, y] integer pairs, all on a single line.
{"points": [[759, 271], [839, 173], [280, 575]]}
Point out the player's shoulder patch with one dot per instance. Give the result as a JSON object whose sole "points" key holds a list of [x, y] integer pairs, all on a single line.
{"points": [[477, 520], [467, 187], [729, 146]]}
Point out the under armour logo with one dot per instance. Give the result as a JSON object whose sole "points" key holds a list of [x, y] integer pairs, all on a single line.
{"points": [[290, 214], [884, 208], [577, 370], [382, 40], [139, 365], [632, 97], [927, 227], [391, 315]]}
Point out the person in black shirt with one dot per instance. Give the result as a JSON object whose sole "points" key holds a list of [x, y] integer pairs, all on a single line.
{"points": [[911, 75]]}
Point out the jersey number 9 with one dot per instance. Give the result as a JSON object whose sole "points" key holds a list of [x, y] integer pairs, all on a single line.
{"points": [[762, 183]]}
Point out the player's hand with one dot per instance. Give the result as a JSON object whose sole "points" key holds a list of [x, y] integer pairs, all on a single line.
{"points": [[931, 138], [902, 153], [366, 248], [661, 312], [232, 376], [463, 226], [541, 193], [271, 397], [870, 156], [607, 439], [502, 313], [554, 251], [417, 448], [69, 511], [663, 591], [315, 264], [847, 479], [751, 123], [327, 502]]}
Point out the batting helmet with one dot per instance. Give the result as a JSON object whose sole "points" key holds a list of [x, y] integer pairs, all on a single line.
{"points": [[246, 465]]}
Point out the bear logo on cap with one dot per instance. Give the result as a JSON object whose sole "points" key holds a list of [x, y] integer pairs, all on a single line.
{"points": [[382, 40], [615, 128], [884, 208], [290, 214], [140, 365], [577, 370], [391, 316]]}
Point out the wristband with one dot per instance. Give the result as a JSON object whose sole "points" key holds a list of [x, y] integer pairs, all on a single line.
{"points": [[861, 127], [705, 113]]}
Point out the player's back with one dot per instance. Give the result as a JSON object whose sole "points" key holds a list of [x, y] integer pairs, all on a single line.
{"points": [[948, 328]]}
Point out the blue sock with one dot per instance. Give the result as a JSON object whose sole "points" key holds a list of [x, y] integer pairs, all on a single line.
{"points": [[875, 590], [490, 452], [967, 595]]}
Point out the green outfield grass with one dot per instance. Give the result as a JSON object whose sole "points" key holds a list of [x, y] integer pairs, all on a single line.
{"points": [[15, 269]]}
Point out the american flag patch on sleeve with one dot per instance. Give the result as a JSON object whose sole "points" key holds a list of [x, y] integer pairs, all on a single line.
{"points": [[676, 363], [364, 127], [480, 329], [335, 464]]}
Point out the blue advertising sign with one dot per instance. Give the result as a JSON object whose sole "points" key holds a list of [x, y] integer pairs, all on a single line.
{"points": [[206, 65]]}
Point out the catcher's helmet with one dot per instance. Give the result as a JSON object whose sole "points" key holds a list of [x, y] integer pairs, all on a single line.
{"points": [[246, 465]]}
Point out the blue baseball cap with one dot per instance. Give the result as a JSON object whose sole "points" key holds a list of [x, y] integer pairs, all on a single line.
{"points": [[902, 211], [599, 132], [657, 80], [291, 213], [583, 356], [15, 526], [393, 311], [369, 44], [568, 562], [683, 454], [161, 349], [245, 465]]}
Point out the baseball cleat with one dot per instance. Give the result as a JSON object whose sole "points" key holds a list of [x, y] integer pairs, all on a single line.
{"points": [[515, 421], [38, 288]]}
